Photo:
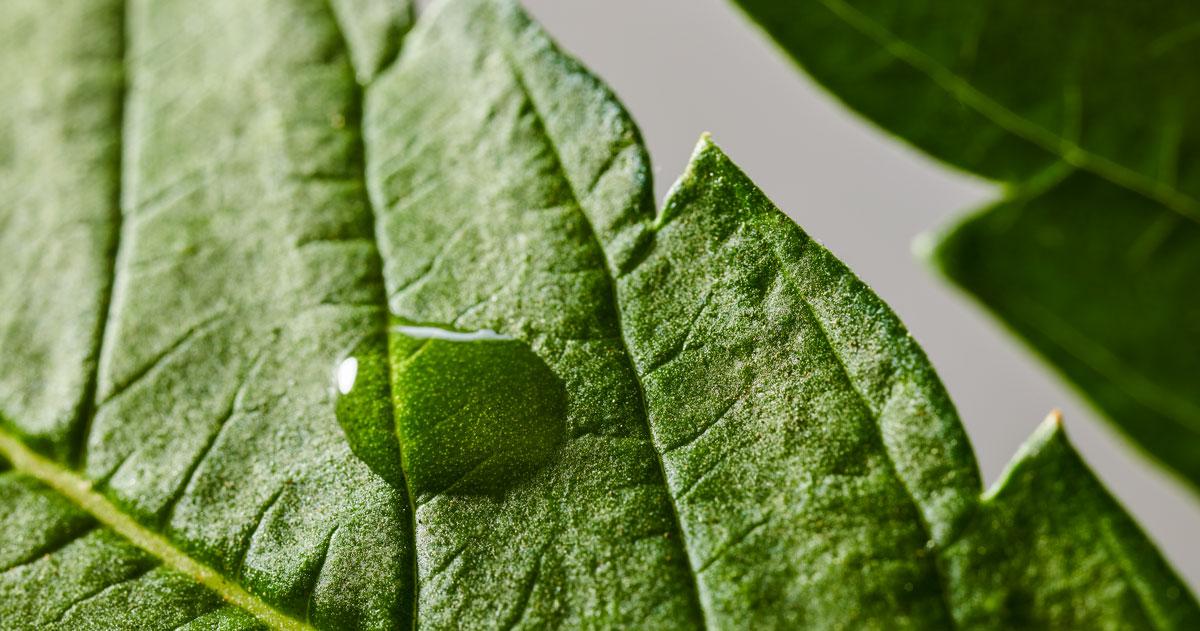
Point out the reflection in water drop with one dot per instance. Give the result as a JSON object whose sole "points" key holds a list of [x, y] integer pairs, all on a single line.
{"points": [[347, 372], [435, 333], [471, 412]]}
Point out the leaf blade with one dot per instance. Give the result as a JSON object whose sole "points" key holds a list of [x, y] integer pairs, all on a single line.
{"points": [[1013, 92], [559, 168], [810, 430]]}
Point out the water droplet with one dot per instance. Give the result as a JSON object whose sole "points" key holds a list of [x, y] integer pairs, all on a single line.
{"points": [[475, 411], [364, 408], [470, 412]]}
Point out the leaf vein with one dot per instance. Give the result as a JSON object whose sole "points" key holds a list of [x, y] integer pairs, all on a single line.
{"points": [[371, 203], [1054, 143], [81, 492], [50, 549], [100, 592], [180, 345], [926, 531], [540, 121]]}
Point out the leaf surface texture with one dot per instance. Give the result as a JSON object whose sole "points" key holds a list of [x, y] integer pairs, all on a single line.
{"points": [[724, 427]]}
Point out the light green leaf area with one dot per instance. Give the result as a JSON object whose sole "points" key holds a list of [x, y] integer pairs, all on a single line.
{"points": [[1086, 111], [404, 343]]}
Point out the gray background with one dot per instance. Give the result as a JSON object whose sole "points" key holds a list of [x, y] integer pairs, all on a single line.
{"points": [[683, 67]]}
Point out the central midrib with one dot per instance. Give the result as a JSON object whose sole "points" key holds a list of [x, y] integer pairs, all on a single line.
{"points": [[369, 204]]}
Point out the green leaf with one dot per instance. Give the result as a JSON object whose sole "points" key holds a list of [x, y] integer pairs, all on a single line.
{"points": [[396, 344], [245, 264], [1086, 112]]}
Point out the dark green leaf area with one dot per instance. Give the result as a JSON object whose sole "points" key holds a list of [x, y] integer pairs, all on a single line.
{"points": [[474, 414], [1044, 260], [488, 155], [816, 461], [1006, 89]]}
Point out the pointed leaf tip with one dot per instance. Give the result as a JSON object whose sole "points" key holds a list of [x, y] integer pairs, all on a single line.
{"points": [[1050, 429]]}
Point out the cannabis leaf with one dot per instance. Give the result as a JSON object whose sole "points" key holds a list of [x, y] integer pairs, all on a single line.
{"points": [[1086, 112], [394, 337]]}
